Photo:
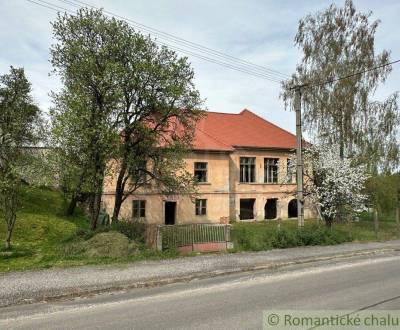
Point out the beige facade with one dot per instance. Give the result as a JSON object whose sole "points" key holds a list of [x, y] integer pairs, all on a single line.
{"points": [[227, 198]]}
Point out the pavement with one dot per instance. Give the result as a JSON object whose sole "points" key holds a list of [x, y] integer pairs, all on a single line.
{"points": [[60, 283], [234, 301]]}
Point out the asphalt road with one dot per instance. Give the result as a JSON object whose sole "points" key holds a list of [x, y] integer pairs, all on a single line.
{"points": [[226, 302]]}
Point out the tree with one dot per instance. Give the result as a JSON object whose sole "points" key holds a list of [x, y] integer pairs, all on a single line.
{"points": [[19, 123], [70, 158], [124, 99], [335, 185], [383, 191], [157, 114], [84, 56], [335, 43]]}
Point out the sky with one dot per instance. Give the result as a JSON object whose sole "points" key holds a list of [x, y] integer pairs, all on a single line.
{"points": [[259, 31]]}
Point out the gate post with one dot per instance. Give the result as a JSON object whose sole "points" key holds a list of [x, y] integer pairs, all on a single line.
{"points": [[159, 239]]}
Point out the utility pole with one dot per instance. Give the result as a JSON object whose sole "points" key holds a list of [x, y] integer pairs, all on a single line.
{"points": [[398, 211], [299, 156]]}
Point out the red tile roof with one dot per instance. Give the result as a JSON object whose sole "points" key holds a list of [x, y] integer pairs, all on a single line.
{"points": [[225, 131]]}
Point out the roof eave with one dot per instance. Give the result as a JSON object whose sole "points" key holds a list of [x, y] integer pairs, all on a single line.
{"points": [[212, 150], [263, 148]]}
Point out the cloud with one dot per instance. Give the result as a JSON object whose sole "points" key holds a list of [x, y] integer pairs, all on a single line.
{"points": [[258, 31]]}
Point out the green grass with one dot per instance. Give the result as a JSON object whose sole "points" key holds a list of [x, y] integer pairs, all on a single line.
{"points": [[267, 235], [42, 232]]}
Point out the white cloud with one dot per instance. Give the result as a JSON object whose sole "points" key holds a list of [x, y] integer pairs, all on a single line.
{"points": [[258, 31]]}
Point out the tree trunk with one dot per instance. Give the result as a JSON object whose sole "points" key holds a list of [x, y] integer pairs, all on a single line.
{"points": [[9, 201], [10, 219], [8, 238], [76, 194], [95, 210], [398, 219], [72, 205], [95, 202], [117, 205], [376, 222], [119, 191], [341, 137], [328, 222]]}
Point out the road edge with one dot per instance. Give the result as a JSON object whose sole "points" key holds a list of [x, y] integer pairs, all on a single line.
{"points": [[47, 296]]}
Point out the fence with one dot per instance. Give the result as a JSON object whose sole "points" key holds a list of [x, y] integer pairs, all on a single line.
{"points": [[194, 237]]}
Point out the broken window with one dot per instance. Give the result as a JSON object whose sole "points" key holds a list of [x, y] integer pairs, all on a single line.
{"points": [[292, 208], [200, 171], [247, 209], [247, 169], [201, 206], [138, 209], [270, 208], [271, 170]]}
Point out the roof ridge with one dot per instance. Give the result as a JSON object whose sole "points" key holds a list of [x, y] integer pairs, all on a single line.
{"points": [[223, 113], [267, 121]]}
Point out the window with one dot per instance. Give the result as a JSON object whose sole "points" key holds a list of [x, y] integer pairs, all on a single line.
{"points": [[201, 206], [247, 208], [270, 210], [247, 169], [138, 209], [271, 170], [200, 172]]}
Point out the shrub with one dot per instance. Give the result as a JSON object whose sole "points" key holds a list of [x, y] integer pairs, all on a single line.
{"points": [[257, 237], [285, 238], [133, 230]]}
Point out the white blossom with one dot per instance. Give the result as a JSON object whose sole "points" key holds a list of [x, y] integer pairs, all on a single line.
{"points": [[333, 184]]}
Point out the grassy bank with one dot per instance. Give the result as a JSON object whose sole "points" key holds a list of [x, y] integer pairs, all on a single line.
{"points": [[44, 237]]}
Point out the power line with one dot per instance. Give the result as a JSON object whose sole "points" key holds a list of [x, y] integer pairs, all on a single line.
{"points": [[252, 72], [227, 65], [182, 41], [50, 6], [329, 81]]}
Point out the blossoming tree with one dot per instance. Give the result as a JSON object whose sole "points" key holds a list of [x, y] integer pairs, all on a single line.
{"points": [[333, 184]]}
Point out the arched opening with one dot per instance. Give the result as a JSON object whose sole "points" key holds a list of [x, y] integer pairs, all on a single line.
{"points": [[270, 208], [292, 208]]}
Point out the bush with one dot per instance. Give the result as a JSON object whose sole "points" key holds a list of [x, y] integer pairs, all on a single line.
{"points": [[285, 238], [257, 237], [135, 231], [309, 236]]}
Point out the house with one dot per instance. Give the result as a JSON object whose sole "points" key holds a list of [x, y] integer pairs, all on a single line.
{"points": [[240, 162]]}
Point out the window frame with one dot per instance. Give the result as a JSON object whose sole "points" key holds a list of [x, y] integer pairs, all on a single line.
{"points": [[201, 207], [203, 171], [139, 208], [271, 170], [247, 168]]}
